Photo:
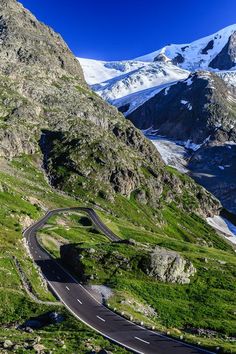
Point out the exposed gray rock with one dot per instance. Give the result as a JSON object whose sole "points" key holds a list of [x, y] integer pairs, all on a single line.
{"points": [[226, 59], [46, 107], [161, 58], [7, 344], [179, 59], [210, 45], [168, 266], [194, 110]]}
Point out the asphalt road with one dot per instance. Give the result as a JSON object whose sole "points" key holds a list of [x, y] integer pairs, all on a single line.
{"points": [[87, 309]]}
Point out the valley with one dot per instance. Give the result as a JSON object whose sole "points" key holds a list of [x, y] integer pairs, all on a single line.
{"points": [[142, 237]]}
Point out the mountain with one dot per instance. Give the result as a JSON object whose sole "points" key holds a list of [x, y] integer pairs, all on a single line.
{"points": [[216, 51], [197, 110], [128, 84], [47, 106], [200, 114], [61, 145]]}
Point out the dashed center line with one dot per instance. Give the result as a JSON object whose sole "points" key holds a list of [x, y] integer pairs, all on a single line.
{"points": [[101, 319], [67, 288], [142, 340], [79, 301]]}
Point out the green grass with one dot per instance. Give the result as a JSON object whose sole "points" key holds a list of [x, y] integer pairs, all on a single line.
{"points": [[24, 193], [208, 302]]}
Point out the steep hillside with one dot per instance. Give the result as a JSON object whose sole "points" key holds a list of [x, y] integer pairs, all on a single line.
{"points": [[48, 107], [199, 108], [62, 145], [199, 113]]}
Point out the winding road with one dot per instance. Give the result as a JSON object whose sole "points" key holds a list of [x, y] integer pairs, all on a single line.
{"points": [[87, 309]]}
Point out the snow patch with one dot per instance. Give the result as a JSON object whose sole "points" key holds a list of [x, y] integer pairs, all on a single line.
{"points": [[172, 154], [189, 81], [187, 104], [224, 226]]}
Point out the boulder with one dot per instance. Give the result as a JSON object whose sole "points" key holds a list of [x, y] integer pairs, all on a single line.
{"points": [[168, 266]]}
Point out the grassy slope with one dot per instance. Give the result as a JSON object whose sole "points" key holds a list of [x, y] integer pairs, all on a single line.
{"points": [[20, 182], [209, 301]]}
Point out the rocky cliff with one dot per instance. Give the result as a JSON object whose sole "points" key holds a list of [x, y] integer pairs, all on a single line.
{"points": [[200, 113], [87, 145], [199, 108]]}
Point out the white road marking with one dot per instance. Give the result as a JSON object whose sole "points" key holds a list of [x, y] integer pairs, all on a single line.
{"points": [[67, 288], [40, 257], [79, 301], [141, 340], [101, 319]]}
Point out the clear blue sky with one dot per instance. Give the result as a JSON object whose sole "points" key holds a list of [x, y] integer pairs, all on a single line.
{"points": [[124, 29]]}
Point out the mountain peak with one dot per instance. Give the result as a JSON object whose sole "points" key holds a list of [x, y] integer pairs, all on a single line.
{"points": [[200, 53], [28, 44]]}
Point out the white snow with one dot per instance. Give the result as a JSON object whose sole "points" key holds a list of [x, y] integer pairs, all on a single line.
{"points": [[167, 90], [228, 76], [132, 82], [189, 81], [190, 145], [96, 71], [224, 226], [172, 154], [189, 106], [194, 59], [118, 82]]}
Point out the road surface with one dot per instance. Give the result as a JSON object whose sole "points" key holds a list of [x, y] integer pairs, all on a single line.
{"points": [[87, 309]]}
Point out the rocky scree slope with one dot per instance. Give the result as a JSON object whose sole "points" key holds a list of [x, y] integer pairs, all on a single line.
{"points": [[199, 108], [200, 113], [87, 145]]}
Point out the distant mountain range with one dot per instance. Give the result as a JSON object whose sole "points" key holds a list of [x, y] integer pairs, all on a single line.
{"points": [[187, 93], [128, 84]]}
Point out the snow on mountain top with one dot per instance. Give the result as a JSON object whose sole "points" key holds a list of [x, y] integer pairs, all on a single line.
{"points": [[196, 55], [130, 82], [96, 71], [148, 75]]}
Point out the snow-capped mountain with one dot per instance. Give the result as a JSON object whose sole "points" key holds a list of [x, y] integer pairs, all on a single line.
{"points": [[186, 93], [216, 51], [129, 84]]}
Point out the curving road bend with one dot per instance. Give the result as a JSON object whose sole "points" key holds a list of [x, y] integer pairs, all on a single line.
{"points": [[87, 309]]}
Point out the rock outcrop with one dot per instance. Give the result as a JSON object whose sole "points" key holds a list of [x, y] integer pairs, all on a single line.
{"points": [[168, 266], [200, 113], [194, 110], [46, 107], [226, 59]]}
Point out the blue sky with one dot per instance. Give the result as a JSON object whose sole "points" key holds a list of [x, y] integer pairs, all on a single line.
{"points": [[125, 29]]}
